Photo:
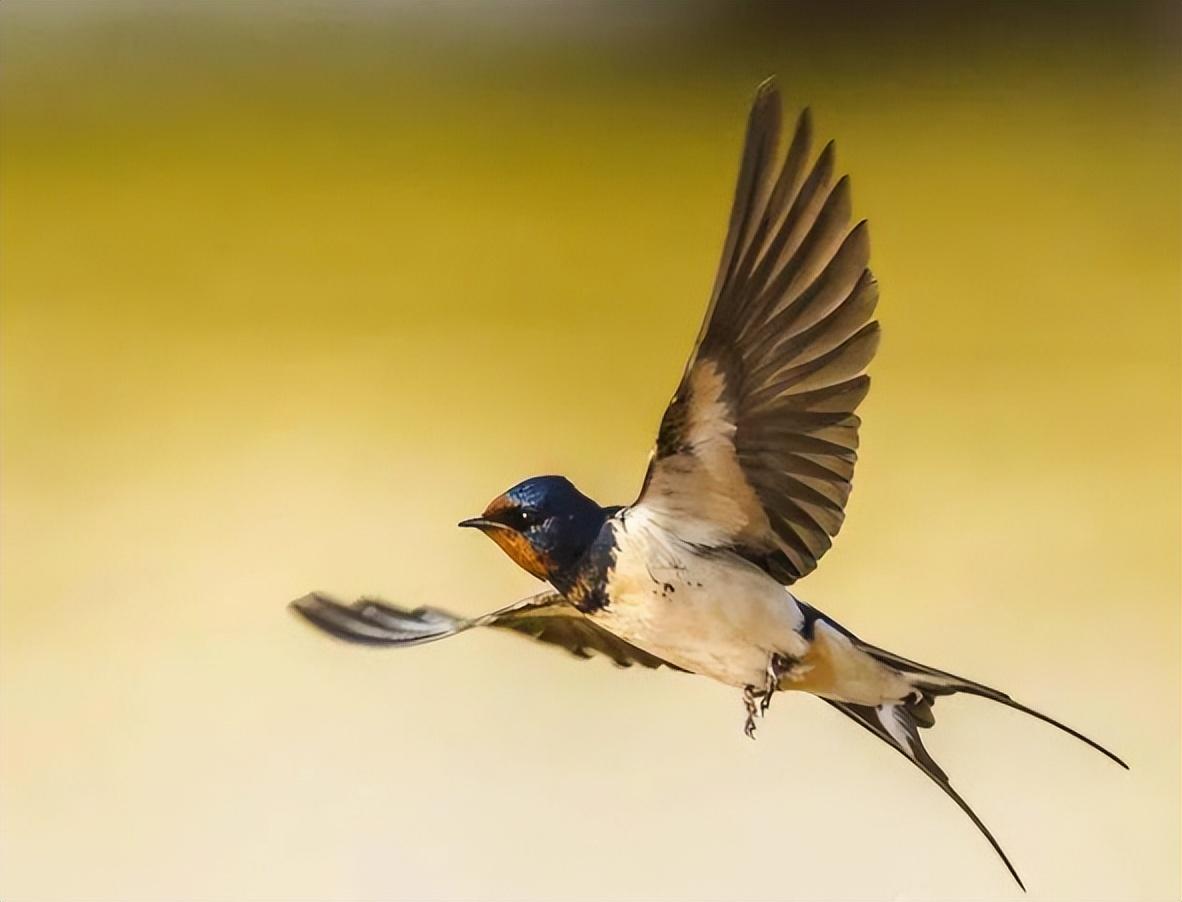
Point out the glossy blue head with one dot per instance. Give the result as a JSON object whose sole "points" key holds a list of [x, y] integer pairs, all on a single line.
{"points": [[544, 524]]}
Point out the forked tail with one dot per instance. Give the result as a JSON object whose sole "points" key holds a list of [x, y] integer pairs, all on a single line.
{"points": [[930, 683], [898, 723]]}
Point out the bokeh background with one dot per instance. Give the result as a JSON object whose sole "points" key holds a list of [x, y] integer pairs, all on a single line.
{"points": [[289, 289]]}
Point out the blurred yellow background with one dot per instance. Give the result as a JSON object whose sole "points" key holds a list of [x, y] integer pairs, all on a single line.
{"points": [[290, 289]]}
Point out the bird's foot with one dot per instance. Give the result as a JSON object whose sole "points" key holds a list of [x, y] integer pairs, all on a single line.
{"points": [[778, 667], [765, 702], [750, 694], [757, 701]]}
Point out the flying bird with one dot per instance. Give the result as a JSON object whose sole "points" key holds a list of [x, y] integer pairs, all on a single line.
{"points": [[745, 489]]}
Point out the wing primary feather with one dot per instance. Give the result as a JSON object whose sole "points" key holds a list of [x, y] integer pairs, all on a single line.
{"points": [[822, 338], [803, 212], [844, 276], [777, 370], [782, 194], [840, 398], [812, 444], [815, 465], [763, 127], [817, 247], [840, 364], [845, 280], [839, 324], [372, 623], [546, 617]]}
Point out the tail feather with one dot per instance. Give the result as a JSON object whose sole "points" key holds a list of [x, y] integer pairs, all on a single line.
{"points": [[930, 682], [898, 723], [1004, 699], [897, 727]]}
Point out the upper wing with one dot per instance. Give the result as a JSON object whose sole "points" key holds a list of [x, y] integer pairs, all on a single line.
{"points": [[756, 450], [546, 617]]}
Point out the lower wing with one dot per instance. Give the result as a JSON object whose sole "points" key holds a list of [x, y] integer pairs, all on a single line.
{"points": [[546, 617]]}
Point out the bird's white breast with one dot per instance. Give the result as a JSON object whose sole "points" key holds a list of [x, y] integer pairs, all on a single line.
{"points": [[710, 612]]}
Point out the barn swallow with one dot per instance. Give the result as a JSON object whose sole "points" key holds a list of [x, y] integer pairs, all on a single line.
{"points": [[745, 489]]}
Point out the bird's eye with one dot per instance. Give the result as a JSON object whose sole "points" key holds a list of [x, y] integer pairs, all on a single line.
{"points": [[526, 517]]}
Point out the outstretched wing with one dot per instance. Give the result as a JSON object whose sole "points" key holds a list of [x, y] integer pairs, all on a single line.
{"points": [[756, 450], [545, 617]]}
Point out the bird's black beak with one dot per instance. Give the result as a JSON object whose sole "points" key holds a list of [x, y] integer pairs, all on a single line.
{"points": [[492, 520], [480, 523]]}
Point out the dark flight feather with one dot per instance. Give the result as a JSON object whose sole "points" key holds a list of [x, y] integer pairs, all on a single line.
{"points": [[778, 367], [545, 617]]}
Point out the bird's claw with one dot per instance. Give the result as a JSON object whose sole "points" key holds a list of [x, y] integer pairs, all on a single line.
{"points": [[769, 689], [753, 710], [757, 701]]}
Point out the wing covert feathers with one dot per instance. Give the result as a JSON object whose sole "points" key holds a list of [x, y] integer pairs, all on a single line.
{"points": [[756, 451]]}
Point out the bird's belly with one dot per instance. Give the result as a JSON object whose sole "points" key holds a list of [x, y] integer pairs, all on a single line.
{"points": [[711, 614]]}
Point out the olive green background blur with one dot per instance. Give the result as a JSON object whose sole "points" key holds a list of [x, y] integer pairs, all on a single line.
{"points": [[290, 289]]}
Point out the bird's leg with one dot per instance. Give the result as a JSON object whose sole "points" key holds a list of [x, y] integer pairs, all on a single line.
{"points": [[749, 696], [769, 688], [778, 666], [759, 700]]}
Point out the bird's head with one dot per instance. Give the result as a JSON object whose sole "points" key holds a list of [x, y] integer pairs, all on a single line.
{"points": [[544, 524]]}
